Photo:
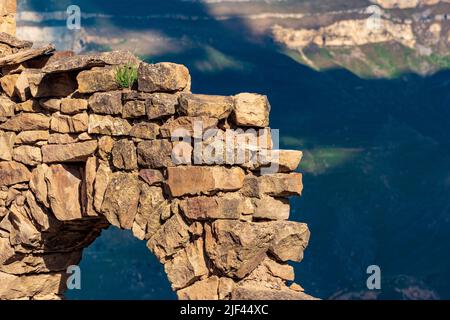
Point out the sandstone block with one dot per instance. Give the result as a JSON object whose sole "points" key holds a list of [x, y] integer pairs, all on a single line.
{"points": [[64, 187], [27, 122], [8, 84], [108, 125], [152, 205], [96, 80], [102, 178], [161, 105], [106, 102], [290, 241], [251, 110], [52, 105], [134, 109], [151, 176], [7, 107], [187, 127], [69, 124], [28, 155], [197, 105], [73, 105], [12, 173], [124, 155], [236, 248], [170, 238], [203, 180], [187, 266], [121, 200], [87, 61], [155, 154], [145, 130], [163, 77], [73, 152], [271, 208], [7, 140], [228, 206], [31, 137], [201, 290], [38, 184]]}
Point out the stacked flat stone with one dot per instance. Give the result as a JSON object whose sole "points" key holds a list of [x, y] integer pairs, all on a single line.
{"points": [[78, 154]]}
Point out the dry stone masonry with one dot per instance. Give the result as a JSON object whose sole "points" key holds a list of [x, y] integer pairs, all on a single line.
{"points": [[78, 153]]}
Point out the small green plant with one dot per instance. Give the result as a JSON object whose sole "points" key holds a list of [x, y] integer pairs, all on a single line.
{"points": [[126, 75]]}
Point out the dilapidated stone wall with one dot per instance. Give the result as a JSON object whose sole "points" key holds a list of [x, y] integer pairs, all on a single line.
{"points": [[194, 176]]}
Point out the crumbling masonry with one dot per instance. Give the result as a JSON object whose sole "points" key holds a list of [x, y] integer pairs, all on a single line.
{"points": [[78, 154]]}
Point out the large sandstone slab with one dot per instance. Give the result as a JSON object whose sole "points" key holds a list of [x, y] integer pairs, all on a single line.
{"points": [[194, 180], [97, 79], [228, 206], [163, 77], [26, 122], [64, 191], [197, 105], [73, 152], [28, 155], [172, 237], [152, 206], [236, 248], [276, 185], [290, 241], [187, 266], [121, 199], [88, 61], [12, 173]]}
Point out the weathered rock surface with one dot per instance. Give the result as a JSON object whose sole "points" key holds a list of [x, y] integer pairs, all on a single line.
{"points": [[197, 105], [73, 152], [106, 102], [108, 125], [251, 110], [64, 191], [163, 77], [203, 180], [121, 200], [88, 61], [13, 172]]}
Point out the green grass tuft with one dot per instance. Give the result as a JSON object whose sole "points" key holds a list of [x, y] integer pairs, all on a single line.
{"points": [[126, 75]]}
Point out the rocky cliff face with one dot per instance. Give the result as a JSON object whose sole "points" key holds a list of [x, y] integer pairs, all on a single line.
{"points": [[381, 41], [194, 176]]}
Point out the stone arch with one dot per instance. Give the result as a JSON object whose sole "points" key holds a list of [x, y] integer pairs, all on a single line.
{"points": [[193, 175]]}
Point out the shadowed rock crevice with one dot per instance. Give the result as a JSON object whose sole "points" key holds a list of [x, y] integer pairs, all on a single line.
{"points": [[78, 153]]}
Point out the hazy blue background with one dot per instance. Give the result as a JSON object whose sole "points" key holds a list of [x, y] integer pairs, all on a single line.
{"points": [[377, 169]]}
